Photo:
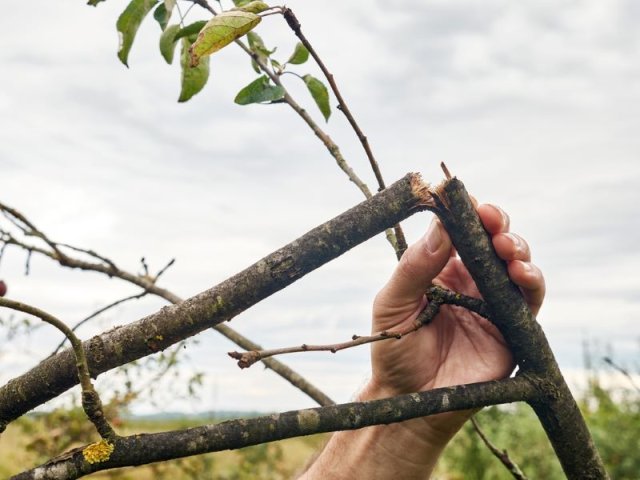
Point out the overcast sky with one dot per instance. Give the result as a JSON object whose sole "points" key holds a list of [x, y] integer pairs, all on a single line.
{"points": [[534, 105]]}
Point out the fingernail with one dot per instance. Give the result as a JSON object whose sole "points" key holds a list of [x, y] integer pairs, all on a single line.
{"points": [[503, 214], [434, 237], [517, 242]]}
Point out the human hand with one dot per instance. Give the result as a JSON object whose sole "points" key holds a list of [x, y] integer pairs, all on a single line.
{"points": [[459, 346]]}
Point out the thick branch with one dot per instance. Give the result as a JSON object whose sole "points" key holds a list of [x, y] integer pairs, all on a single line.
{"points": [[220, 303], [557, 411], [147, 448]]}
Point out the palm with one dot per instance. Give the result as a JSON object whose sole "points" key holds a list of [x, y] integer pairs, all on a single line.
{"points": [[457, 347]]}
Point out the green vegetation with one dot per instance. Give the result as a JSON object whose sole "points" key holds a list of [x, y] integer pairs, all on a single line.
{"points": [[614, 424]]}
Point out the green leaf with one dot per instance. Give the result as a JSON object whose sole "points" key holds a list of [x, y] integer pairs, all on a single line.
{"points": [[168, 42], [191, 29], [193, 78], [252, 7], [94, 3], [320, 95], [128, 23], [257, 46], [299, 55], [220, 31], [162, 15], [259, 91], [240, 3]]}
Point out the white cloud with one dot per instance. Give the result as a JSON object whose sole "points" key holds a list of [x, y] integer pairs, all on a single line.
{"points": [[534, 106]]}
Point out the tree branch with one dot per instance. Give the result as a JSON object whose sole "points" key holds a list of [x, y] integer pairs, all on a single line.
{"points": [[501, 455], [148, 283], [96, 313], [91, 403], [220, 303], [557, 411], [436, 295], [146, 448], [294, 24]]}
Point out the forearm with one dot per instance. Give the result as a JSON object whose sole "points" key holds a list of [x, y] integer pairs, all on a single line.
{"points": [[407, 450]]}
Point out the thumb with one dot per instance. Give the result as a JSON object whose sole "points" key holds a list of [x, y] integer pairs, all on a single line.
{"points": [[417, 268]]}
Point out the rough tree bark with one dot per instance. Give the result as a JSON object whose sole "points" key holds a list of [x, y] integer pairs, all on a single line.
{"points": [[146, 448]]}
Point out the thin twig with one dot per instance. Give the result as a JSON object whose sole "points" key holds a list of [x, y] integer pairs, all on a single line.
{"points": [[622, 370], [437, 296], [28, 228], [246, 359], [395, 238], [294, 24], [91, 403], [149, 285], [501, 455], [98, 312], [89, 252]]}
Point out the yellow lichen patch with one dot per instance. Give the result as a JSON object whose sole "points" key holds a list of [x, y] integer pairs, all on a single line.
{"points": [[98, 452]]}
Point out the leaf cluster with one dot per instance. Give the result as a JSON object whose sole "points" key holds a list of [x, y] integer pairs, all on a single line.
{"points": [[199, 40]]}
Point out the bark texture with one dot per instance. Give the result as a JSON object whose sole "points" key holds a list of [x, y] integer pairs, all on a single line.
{"points": [[174, 323], [555, 406], [148, 448]]}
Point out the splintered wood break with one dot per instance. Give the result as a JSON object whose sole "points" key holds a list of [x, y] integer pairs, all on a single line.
{"points": [[422, 191], [444, 168]]}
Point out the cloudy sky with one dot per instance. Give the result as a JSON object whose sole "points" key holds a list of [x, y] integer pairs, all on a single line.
{"points": [[535, 105]]}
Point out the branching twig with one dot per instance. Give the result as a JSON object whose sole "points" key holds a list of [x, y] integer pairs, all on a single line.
{"points": [[28, 228], [148, 283], [397, 240], [436, 295], [99, 312], [294, 24], [501, 455], [91, 402], [245, 432]]}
